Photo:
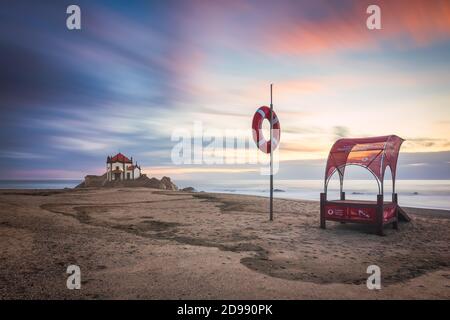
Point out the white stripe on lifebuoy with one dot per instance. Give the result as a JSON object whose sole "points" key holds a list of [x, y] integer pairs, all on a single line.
{"points": [[261, 113], [261, 142]]}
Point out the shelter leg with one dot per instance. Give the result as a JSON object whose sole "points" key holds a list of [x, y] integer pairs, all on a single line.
{"points": [[342, 198], [380, 230], [323, 199], [395, 198], [395, 201], [395, 225], [379, 222]]}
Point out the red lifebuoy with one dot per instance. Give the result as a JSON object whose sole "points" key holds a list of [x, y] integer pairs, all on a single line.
{"points": [[261, 114]]}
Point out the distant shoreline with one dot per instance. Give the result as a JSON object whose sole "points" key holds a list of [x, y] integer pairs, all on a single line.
{"points": [[426, 194], [444, 213]]}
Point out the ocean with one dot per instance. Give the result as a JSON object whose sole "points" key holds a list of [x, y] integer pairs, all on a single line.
{"points": [[38, 184], [433, 194]]}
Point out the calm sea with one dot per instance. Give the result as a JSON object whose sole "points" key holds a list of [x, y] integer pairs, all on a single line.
{"points": [[434, 194], [38, 184]]}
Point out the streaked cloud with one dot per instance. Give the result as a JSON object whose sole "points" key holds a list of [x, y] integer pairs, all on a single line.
{"points": [[22, 155], [138, 71], [420, 164], [341, 26]]}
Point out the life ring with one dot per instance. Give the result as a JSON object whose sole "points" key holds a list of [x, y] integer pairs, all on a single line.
{"points": [[261, 114]]}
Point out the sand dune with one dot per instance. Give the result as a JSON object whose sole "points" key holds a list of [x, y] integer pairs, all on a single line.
{"points": [[143, 243]]}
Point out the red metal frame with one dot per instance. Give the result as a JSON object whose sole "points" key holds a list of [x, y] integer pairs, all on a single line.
{"points": [[377, 213]]}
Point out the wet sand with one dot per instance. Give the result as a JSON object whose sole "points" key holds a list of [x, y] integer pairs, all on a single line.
{"points": [[140, 243]]}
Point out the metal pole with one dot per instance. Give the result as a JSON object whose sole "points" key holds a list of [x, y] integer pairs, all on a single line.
{"points": [[271, 155]]}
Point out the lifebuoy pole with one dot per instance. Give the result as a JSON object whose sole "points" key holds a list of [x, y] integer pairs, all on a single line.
{"points": [[271, 155], [267, 146]]}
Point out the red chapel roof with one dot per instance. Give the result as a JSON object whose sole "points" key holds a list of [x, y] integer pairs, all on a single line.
{"points": [[118, 158]]}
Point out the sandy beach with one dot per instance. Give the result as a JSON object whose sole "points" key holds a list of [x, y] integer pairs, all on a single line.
{"points": [[140, 243]]}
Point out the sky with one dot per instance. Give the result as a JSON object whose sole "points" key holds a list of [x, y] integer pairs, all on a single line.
{"points": [[139, 70]]}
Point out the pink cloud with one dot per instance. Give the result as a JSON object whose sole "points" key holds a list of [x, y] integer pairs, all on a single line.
{"points": [[419, 22]]}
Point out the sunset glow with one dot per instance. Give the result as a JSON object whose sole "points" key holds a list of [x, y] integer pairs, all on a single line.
{"points": [[137, 72]]}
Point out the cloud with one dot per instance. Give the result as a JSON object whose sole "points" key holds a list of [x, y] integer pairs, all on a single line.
{"points": [[425, 144], [22, 155], [137, 72], [419, 164], [80, 145], [341, 132], [301, 147], [32, 174], [416, 23]]}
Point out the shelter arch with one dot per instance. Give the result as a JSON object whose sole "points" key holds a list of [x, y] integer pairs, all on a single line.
{"points": [[374, 154]]}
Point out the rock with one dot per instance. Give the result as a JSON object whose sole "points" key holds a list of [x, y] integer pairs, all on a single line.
{"points": [[169, 185], [189, 189], [154, 183], [143, 181], [81, 185], [92, 181], [278, 190]]}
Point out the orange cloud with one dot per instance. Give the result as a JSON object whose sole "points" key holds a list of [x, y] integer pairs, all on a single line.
{"points": [[423, 21], [171, 170], [417, 21]]}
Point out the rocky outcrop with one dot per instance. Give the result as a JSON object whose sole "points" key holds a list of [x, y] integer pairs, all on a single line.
{"points": [[143, 181], [92, 181], [168, 184], [189, 189]]}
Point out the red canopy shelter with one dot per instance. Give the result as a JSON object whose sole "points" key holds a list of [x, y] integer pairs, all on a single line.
{"points": [[375, 154]]}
